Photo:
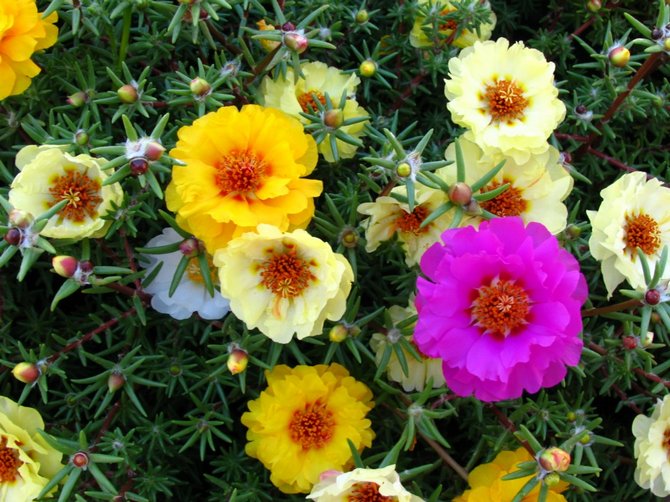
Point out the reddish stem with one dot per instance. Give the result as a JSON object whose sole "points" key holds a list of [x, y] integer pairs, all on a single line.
{"points": [[628, 304], [509, 425]]}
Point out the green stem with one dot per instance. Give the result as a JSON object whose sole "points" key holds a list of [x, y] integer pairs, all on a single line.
{"points": [[125, 35]]}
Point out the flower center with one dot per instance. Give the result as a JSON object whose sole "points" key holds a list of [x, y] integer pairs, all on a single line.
{"points": [[307, 100], [642, 232], [195, 275], [9, 463], [505, 101], [313, 426], [411, 222], [508, 203], [449, 24], [501, 307], [240, 172], [665, 444], [367, 492], [81, 193], [285, 274]]}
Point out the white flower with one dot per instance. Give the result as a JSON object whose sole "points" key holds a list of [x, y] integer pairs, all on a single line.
{"points": [[652, 446], [191, 294]]}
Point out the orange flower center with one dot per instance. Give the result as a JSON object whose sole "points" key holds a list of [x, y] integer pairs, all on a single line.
{"points": [[665, 444], [313, 426], [9, 463], [307, 100], [501, 307], [449, 24], [505, 101], [194, 274], [81, 193], [240, 172], [508, 203], [411, 222], [642, 231], [367, 492], [286, 274]]}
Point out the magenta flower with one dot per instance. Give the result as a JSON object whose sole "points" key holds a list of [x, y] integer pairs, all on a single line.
{"points": [[501, 307]]}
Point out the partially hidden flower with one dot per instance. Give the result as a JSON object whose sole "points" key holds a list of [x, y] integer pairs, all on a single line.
{"points": [[419, 371], [381, 485], [49, 175], [419, 38], [537, 188], [487, 485], [652, 449], [191, 294], [240, 169], [634, 213], [388, 216], [501, 307], [505, 96], [299, 426], [28, 461], [283, 283], [294, 96], [22, 33]]}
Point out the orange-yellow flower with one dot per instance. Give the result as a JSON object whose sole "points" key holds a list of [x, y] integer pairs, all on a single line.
{"points": [[22, 32], [242, 168]]}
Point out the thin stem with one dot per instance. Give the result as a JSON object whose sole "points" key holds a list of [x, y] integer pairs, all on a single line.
{"points": [[125, 35], [446, 458], [628, 304], [509, 425]]}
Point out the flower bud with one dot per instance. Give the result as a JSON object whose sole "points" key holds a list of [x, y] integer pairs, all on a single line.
{"points": [[288, 26], [127, 94], [296, 41], [338, 333], [403, 169], [115, 381], [154, 151], [80, 459], [652, 297], [473, 208], [349, 238], [362, 16], [656, 34], [13, 236], [647, 339], [65, 266], [552, 479], [237, 361], [81, 137], [594, 5], [333, 118], [629, 342], [200, 87], [571, 416], [666, 44], [19, 218], [77, 99], [190, 247], [367, 68], [585, 439], [460, 193], [138, 166], [86, 266], [554, 460], [572, 231], [26, 372], [619, 56]]}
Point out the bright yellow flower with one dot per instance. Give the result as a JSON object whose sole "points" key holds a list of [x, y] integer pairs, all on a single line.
{"points": [[505, 96], [389, 216], [634, 213], [22, 32], [299, 426], [27, 460], [293, 97], [242, 168], [268, 45], [652, 449], [537, 188], [49, 175], [486, 484], [283, 283], [382, 485], [419, 39]]}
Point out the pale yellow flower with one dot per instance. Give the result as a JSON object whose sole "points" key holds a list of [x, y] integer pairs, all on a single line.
{"points": [[49, 175], [283, 283], [362, 484], [505, 96], [634, 213], [652, 449]]}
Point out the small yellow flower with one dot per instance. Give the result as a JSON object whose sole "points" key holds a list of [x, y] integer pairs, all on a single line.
{"points": [[268, 45], [389, 216], [486, 484], [652, 449], [49, 176], [634, 213], [419, 39], [505, 96], [381, 485], [28, 461], [299, 426], [22, 33], [283, 283]]}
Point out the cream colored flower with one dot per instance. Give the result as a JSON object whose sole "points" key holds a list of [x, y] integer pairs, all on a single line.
{"points": [[49, 175], [634, 213], [505, 96], [389, 216], [652, 449], [537, 188], [283, 283], [361, 484], [28, 461]]}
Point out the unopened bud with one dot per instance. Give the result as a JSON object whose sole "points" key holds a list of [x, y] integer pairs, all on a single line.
{"points": [[581, 109], [362, 16], [115, 381], [81, 137], [77, 99], [86, 266], [460, 193], [80, 459], [572, 231], [190, 247], [594, 5], [571, 416], [656, 34], [296, 41], [552, 479], [666, 44], [127, 94], [652, 297], [19, 218], [288, 26], [349, 238], [65, 266], [333, 118], [473, 208], [139, 166], [554, 460], [237, 361], [619, 56], [338, 333], [403, 170], [585, 439], [367, 68], [629, 342], [154, 151], [13, 236], [200, 87], [26, 372], [647, 339]]}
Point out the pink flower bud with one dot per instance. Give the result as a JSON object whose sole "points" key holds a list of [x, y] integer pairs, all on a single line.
{"points": [[237, 361], [77, 99], [154, 150], [26, 372], [296, 41], [554, 460], [460, 193], [19, 218], [190, 247], [115, 381], [65, 266], [619, 56]]}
